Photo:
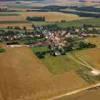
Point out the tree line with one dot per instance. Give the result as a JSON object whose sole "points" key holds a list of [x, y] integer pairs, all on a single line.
{"points": [[35, 18]]}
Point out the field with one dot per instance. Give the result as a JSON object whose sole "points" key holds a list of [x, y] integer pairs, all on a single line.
{"points": [[74, 21], [24, 76], [50, 16], [62, 64], [91, 56], [77, 23], [53, 16], [94, 40], [5, 25], [19, 17], [57, 65]]}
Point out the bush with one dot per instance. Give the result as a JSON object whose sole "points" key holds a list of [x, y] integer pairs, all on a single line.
{"points": [[40, 55], [83, 45], [91, 45], [86, 45], [2, 50]]}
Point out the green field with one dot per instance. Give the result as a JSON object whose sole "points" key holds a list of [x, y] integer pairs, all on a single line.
{"points": [[39, 49], [77, 23], [12, 22], [40, 23], [58, 64], [2, 14]]}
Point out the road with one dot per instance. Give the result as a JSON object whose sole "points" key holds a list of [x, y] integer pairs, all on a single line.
{"points": [[74, 92]]}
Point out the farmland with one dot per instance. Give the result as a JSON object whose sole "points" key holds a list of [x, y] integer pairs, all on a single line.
{"points": [[20, 18], [77, 23], [57, 65], [50, 16], [71, 61], [42, 59], [60, 64], [91, 56], [17, 13], [38, 85], [71, 21], [31, 77]]}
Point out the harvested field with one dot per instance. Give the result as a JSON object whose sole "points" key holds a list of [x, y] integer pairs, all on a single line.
{"points": [[50, 16], [95, 40], [28, 25], [11, 18], [91, 56], [24, 77]]}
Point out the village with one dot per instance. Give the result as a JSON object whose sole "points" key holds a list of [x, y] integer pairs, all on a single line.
{"points": [[57, 40]]}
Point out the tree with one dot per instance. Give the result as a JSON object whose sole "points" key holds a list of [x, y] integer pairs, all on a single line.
{"points": [[24, 28], [35, 18], [86, 45]]}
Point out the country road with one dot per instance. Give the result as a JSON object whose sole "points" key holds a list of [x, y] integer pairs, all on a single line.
{"points": [[74, 92]]}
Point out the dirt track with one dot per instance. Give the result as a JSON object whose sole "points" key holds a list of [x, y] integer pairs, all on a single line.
{"points": [[75, 92]]}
